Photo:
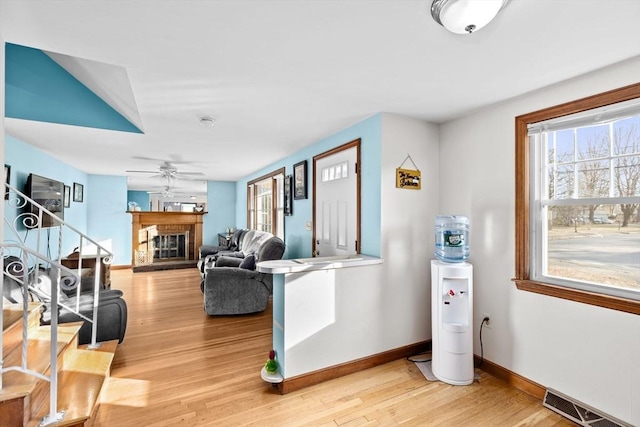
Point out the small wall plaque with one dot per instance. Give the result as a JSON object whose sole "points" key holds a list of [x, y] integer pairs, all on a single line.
{"points": [[408, 179]]}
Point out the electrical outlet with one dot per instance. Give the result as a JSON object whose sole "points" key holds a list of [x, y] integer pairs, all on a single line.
{"points": [[488, 322]]}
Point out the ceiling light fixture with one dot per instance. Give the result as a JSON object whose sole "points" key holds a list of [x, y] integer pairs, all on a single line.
{"points": [[207, 121], [465, 16]]}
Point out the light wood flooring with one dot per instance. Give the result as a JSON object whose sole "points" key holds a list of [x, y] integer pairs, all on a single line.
{"points": [[179, 367]]}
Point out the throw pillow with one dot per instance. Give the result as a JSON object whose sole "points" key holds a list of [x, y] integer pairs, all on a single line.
{"points": [[249, 262]]}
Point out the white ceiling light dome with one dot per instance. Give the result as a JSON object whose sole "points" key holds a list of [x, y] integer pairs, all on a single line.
{"points": [[465, 16]]}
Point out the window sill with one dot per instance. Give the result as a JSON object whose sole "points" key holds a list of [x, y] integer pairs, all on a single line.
{"points": [[606, 301]]}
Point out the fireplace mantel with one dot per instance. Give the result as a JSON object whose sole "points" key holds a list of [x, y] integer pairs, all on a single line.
{"points": [[191, 220]]}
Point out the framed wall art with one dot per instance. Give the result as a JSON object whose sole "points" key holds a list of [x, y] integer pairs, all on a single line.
{"points": [[67, 196], [288, 195], [78, 192], [300, 180], [7, 180]]}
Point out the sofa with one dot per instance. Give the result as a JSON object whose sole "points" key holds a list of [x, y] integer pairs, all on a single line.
{"points": [[112, 308], [232, 245], [233, 285], [242, 243]]}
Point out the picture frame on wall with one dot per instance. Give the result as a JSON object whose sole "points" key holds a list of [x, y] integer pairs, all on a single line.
{"points": [[67, 196], [288, 195], [300, 180], [78, 192], [7, 180]]}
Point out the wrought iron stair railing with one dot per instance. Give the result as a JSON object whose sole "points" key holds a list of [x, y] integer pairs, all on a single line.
{"points": [[26, 258]]}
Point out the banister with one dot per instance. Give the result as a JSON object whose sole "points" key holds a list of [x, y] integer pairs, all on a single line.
{"points": [[32, 276]]}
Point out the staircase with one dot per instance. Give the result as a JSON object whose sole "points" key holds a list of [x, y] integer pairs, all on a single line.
{"points": [[46, 378], [24, 399]]}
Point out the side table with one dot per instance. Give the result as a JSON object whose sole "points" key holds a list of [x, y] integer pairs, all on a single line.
{"points": [[89, 267]]}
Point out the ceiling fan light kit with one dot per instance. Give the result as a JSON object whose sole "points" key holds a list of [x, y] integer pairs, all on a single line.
{"points": [[465, 16]]}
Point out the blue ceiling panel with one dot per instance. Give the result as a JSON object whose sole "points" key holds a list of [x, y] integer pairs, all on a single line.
{"points": [[37, 88]]}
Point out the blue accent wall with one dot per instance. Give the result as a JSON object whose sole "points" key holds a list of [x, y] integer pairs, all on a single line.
{"points": [[25, 159], [37, 88], [106, 198], [297, 237], [221, 208], [101, 215], [140, 197]]}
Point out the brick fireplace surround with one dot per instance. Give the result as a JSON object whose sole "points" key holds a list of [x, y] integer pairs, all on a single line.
{"points": [[165, 223]]}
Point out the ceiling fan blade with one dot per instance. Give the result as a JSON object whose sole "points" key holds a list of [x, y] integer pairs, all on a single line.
{"points": [[190, 173], [142, 171], [174, 159]]}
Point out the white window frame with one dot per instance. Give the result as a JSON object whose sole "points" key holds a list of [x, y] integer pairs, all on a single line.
{"points": [[541, 204]]}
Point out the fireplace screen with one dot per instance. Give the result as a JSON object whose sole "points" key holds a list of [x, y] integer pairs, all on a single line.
{"points": [[171, 246]]}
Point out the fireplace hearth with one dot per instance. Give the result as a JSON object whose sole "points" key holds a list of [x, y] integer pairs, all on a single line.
{"points": [[160, 239]]}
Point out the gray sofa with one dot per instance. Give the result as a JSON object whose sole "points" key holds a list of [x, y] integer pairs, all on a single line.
{"points": [[232, 245], [242, 243], [233, 286]]}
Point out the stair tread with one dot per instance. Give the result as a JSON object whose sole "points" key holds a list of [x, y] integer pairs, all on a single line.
{"points": [[17, 384], [12, 322], [10, 317], [81, 382], [106, 346]]}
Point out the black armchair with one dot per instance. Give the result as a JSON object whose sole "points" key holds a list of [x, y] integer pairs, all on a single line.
{"points": [[112, 308]]}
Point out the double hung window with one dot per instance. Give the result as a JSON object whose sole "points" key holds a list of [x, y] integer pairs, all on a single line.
{"points": [[578, 200], [265, 203]]}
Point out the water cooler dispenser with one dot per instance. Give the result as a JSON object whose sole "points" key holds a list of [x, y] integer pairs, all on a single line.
{"points": [[452, 303]]}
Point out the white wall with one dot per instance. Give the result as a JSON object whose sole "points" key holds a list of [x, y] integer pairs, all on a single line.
{"points": [[587, 352], [407, 219], [369, 310]]}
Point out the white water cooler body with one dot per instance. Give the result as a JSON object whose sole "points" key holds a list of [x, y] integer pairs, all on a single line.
{"points": [[452, 322]]}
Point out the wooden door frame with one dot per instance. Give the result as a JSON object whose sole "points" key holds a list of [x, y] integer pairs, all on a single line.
{"points": [[355, 143]]}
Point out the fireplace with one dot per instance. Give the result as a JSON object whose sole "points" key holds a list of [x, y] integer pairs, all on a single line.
{"points": [[171, 247], [165, 237]]}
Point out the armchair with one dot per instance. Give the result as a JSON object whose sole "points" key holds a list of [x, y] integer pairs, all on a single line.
{"points": [[232, 287], [112, 308]]}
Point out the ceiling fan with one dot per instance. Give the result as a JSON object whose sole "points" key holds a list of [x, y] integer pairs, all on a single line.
{"points": [[168, 171], [169, 191]]}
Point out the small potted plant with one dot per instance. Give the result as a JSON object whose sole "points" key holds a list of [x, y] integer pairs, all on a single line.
{"points": [[272, 364]]}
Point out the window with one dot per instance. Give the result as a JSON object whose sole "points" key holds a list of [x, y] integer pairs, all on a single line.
{"points": [[265, 203], [578, 200]]}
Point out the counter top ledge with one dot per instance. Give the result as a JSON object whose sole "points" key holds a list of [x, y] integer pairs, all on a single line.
{"points": [[298, 265]]}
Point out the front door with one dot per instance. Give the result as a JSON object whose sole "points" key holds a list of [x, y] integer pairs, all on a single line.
{"points": [[336, 201]]}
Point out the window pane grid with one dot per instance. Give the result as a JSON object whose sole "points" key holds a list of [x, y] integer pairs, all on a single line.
{"points": [[594, 161], [587, 187], [265, 203]]}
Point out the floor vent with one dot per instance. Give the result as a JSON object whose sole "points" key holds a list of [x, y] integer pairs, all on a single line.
{"points": [[579, 412]]}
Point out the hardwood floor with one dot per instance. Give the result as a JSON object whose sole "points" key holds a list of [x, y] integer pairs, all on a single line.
{"points": [[179, 367]]}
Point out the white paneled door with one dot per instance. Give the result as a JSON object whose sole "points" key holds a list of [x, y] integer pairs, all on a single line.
{"points": [[336, 203]]}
